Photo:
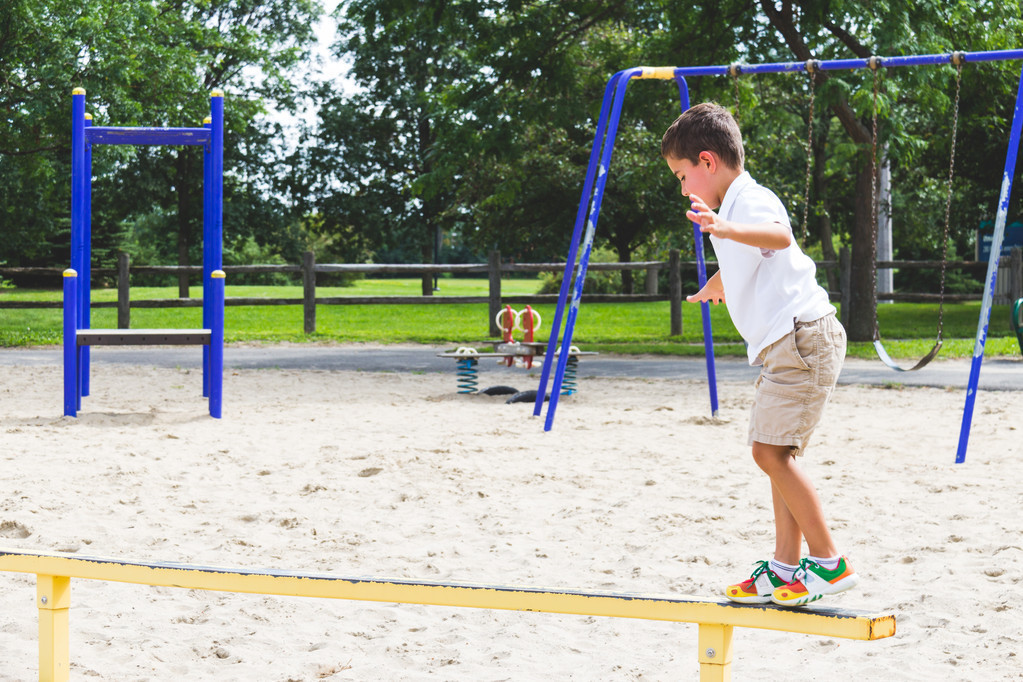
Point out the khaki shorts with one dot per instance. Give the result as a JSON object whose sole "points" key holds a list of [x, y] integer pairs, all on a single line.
{"points": [[796, 380]]}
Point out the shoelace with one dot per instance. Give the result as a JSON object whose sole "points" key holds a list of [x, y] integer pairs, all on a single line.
{"points": [[803, 569], [761, 566]]}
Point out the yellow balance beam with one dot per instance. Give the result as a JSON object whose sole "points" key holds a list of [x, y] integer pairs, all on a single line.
{"points": [[721, 614]]}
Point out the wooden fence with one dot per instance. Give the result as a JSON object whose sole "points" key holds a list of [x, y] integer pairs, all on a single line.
{"points": [[1010, 284]]}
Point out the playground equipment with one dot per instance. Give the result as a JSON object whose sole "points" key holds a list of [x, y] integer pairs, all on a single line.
{"points": [[716, 618], [882, 354], [596, 180], [78, 333], [512, 353], [509, 321]]}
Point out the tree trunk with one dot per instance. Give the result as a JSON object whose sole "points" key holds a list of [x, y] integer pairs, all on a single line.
{"points": [[431, 206], [820, 191], [183, 187], [628, 282], [859, 319], [863, 297]]}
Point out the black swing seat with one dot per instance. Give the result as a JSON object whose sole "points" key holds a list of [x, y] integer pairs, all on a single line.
{"points": [[882, 354]]}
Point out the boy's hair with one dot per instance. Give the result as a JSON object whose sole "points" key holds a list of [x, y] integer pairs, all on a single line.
{"points": [[705, 127]]}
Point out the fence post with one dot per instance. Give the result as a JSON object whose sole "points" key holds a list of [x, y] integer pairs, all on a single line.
{"points": [[651, 279], [675, 291], [1015, 274], [123, 291], [309, 291], [845, 283], [494, 305]]}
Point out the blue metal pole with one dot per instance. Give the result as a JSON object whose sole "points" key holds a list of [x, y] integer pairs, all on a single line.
{"points": [[846, 64], [70, 343], [591, 227], [992, 274], [85, 283], [214, 241], [207, 267], [217, 344], [580, 217], [78, 220], [701, 274]]}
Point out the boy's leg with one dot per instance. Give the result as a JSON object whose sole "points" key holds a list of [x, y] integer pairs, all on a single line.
{"points": [[798, 496], [788, 539]]}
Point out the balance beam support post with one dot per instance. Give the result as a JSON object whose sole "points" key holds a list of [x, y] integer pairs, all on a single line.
{"points": [[715, 642], [53, 598]]}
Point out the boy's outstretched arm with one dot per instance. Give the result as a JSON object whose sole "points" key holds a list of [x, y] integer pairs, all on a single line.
{"points": [[712, 291], [774, 236]]}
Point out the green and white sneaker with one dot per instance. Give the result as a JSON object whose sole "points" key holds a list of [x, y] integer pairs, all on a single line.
{"points": [[812, 581]]}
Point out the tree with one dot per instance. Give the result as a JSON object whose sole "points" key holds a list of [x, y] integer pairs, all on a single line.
{"points": [[144, 63], [477, 117], [840, 29], [373, 147], [250, 48], [536, 116]]}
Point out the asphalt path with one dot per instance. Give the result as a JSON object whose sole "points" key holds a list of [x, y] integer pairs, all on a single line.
{"points": [[1001, 374]]}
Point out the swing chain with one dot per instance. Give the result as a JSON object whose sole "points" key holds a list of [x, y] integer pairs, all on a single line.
{"points": [[874, 63], [958, 61], [811, 67], [734, 70]]}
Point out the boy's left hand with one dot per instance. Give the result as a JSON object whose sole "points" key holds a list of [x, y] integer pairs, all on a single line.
{"points": [[709, 221]]}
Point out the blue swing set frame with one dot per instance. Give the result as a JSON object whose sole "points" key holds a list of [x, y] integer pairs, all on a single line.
{"points": [[596, 180]]}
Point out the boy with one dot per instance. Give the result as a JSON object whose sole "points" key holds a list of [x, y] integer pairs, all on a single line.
{"points": [[791, 330]]}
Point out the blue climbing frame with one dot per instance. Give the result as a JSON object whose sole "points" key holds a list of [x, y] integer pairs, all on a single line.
{"points": [[596, 180], [78, 333]]}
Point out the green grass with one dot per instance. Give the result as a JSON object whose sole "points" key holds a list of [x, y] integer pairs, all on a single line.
{"points": [[634, 328]]}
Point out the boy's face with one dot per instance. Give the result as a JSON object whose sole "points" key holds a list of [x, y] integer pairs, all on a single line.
{"points": [[697, 178]]}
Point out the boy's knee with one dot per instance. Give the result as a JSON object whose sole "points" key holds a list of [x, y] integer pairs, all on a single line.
{"points": [[769, 457]]}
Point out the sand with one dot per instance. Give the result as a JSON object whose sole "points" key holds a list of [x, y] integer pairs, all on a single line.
{"points": [[636, 489]]}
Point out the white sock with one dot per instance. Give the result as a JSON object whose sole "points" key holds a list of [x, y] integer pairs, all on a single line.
{"points": [[829, 563], [783, 571]]}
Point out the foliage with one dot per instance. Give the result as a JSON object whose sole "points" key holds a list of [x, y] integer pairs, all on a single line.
{"points": [[476, 118], [597, 281], [144, 63]]}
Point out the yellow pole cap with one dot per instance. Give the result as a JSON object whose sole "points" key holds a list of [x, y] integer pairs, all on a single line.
{"points": [[217, 93], [78, 91], [657, 72], [207, 120], [88, 117], [218, 274], [70, 272]]}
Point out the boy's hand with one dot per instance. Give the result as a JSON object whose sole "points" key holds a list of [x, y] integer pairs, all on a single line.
{"points": [[711, 292], [709, 221]]}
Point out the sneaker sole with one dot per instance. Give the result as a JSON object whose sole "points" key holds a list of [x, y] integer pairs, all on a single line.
{"points": [[846, 583], [766, 599]]}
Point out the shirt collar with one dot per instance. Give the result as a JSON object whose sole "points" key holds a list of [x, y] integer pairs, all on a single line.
{"points": [[741, 182]]}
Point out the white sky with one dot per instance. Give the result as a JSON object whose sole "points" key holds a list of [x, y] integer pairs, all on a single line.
{"points": [[325, 33], [322, 67]]}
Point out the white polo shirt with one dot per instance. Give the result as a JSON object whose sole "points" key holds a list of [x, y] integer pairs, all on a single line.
{"points": [[765, 290]]}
